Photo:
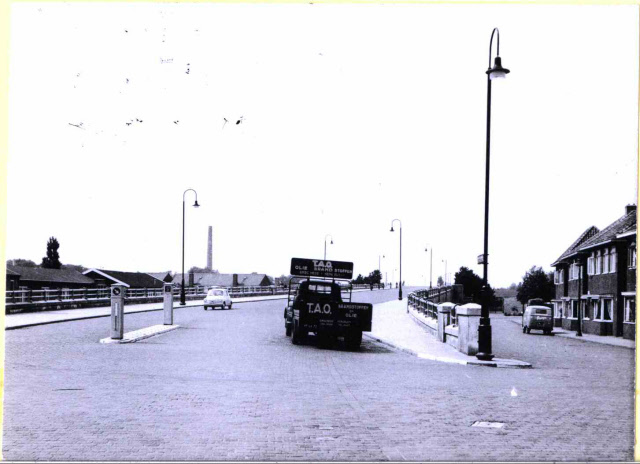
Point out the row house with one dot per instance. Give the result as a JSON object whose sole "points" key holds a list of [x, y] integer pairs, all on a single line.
{"points": [[595, 280]]}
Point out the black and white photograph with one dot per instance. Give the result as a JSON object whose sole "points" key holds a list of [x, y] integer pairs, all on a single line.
{"points": [[320, 231]]}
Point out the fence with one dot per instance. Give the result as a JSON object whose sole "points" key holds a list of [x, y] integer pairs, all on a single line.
{"points": [[27, 299]]}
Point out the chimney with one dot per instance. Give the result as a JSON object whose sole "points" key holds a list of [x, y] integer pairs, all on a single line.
{"points": [[210, 250], [191, 279], [629, 208], [235, 280]]}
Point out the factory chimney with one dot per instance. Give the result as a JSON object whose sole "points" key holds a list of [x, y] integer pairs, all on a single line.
{"points": [[210, 250]]}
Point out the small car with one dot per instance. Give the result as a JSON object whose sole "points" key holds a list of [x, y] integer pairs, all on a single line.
{"points": [[538, 318], [217, 297]]}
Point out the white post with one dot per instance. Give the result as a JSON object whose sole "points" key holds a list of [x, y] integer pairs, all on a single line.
{"points": [[117, 311], [168, 304]]}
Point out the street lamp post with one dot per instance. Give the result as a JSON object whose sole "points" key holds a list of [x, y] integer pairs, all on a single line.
{"points": [[183, 298], [427, 249], [445, 272], [400, 282], [484, 329], [379, 268], [325, 244]]}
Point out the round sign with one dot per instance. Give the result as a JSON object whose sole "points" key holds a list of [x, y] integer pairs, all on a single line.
{"points": [[116, 291]]}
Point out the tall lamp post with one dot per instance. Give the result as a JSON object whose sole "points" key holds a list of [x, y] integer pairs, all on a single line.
{"points": [[183, 298], [400, 282], [427, 249], [484, 329], [325, 245], [445, 272], [379, 269]]}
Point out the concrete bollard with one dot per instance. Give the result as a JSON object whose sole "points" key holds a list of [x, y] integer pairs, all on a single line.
{"points": [[168, 304], [444, 313], [117, 311], [468, 323]]}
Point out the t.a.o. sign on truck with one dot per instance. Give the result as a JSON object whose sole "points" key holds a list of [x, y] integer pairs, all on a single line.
{"points": [[321, 268]]}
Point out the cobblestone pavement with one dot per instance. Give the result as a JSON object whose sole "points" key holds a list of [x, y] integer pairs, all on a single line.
{"points": [[228, 385]]}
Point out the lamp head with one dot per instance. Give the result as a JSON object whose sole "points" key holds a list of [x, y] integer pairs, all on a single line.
{"points": [[331, 241], [391, 228], [497, 72], [196, 205]]}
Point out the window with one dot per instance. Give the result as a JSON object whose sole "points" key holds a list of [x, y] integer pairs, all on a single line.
{"points": [[574, 309], [630, 309], [605, 261], [591, 264], [558, 277], [632, 256], [598, 263], [575, 271], [584, 304], [558, 309], [604, 310], [614, 260]]}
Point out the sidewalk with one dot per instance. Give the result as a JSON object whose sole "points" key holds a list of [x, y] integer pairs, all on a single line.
{"points": [[392, 325], [21, 320], [602, 339]]}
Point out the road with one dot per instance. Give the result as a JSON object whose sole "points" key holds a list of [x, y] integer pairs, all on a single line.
{"points": [[228, 385]]}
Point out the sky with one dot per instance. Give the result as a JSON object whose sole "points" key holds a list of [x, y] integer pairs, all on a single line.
{"points": [[294, 121]]}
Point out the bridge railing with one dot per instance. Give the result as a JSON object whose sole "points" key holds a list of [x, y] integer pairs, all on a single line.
{"points": [[42, 297]]}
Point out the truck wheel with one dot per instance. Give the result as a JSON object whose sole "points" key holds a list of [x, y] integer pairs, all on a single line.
{"points": [[353, 340], [296, 334], [287, 327], [524, 330], [528, 330]]}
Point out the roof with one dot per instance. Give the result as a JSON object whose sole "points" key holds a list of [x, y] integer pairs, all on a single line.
{"points": [[40, 274], [592, 237], [214, 279], [11, 273], [573, 249], [161, 276], [129, 279], [253, 280], [621, 225]]}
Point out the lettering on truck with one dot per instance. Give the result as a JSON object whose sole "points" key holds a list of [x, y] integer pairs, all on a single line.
{"points": [[318, 308]]}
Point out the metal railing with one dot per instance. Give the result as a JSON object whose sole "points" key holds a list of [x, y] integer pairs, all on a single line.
{"points": [[64, 295]]}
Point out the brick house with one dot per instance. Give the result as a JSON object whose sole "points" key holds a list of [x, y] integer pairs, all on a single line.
{"points": [[37, 278], [595, 280], [214, 279]]}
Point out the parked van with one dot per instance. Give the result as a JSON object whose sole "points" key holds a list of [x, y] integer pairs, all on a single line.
{"points": [[538, 318]]}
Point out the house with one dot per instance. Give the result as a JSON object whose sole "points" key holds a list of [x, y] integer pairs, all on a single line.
{"points": [[37, 278], [595, 280], [13, 279], [104, 278], [214, 279]]}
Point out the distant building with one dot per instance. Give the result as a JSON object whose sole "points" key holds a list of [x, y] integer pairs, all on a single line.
{"points": [[104, 278], [214, 279], [596, 275], [163, 276], [37, 278]]}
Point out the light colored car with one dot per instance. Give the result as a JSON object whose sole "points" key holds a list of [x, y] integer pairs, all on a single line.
{"points": [[538, 318], [217, 297]]}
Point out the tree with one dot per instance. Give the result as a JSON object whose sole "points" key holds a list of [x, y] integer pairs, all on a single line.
{"points": [[21, 262], [75, 267], [440, 281], [471, 283], [375, 277], [52, 260], [358, 280], [536, 284], [201, 270]]}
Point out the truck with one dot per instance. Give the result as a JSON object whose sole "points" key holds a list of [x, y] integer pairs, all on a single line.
{"points": [[319, 301]]}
